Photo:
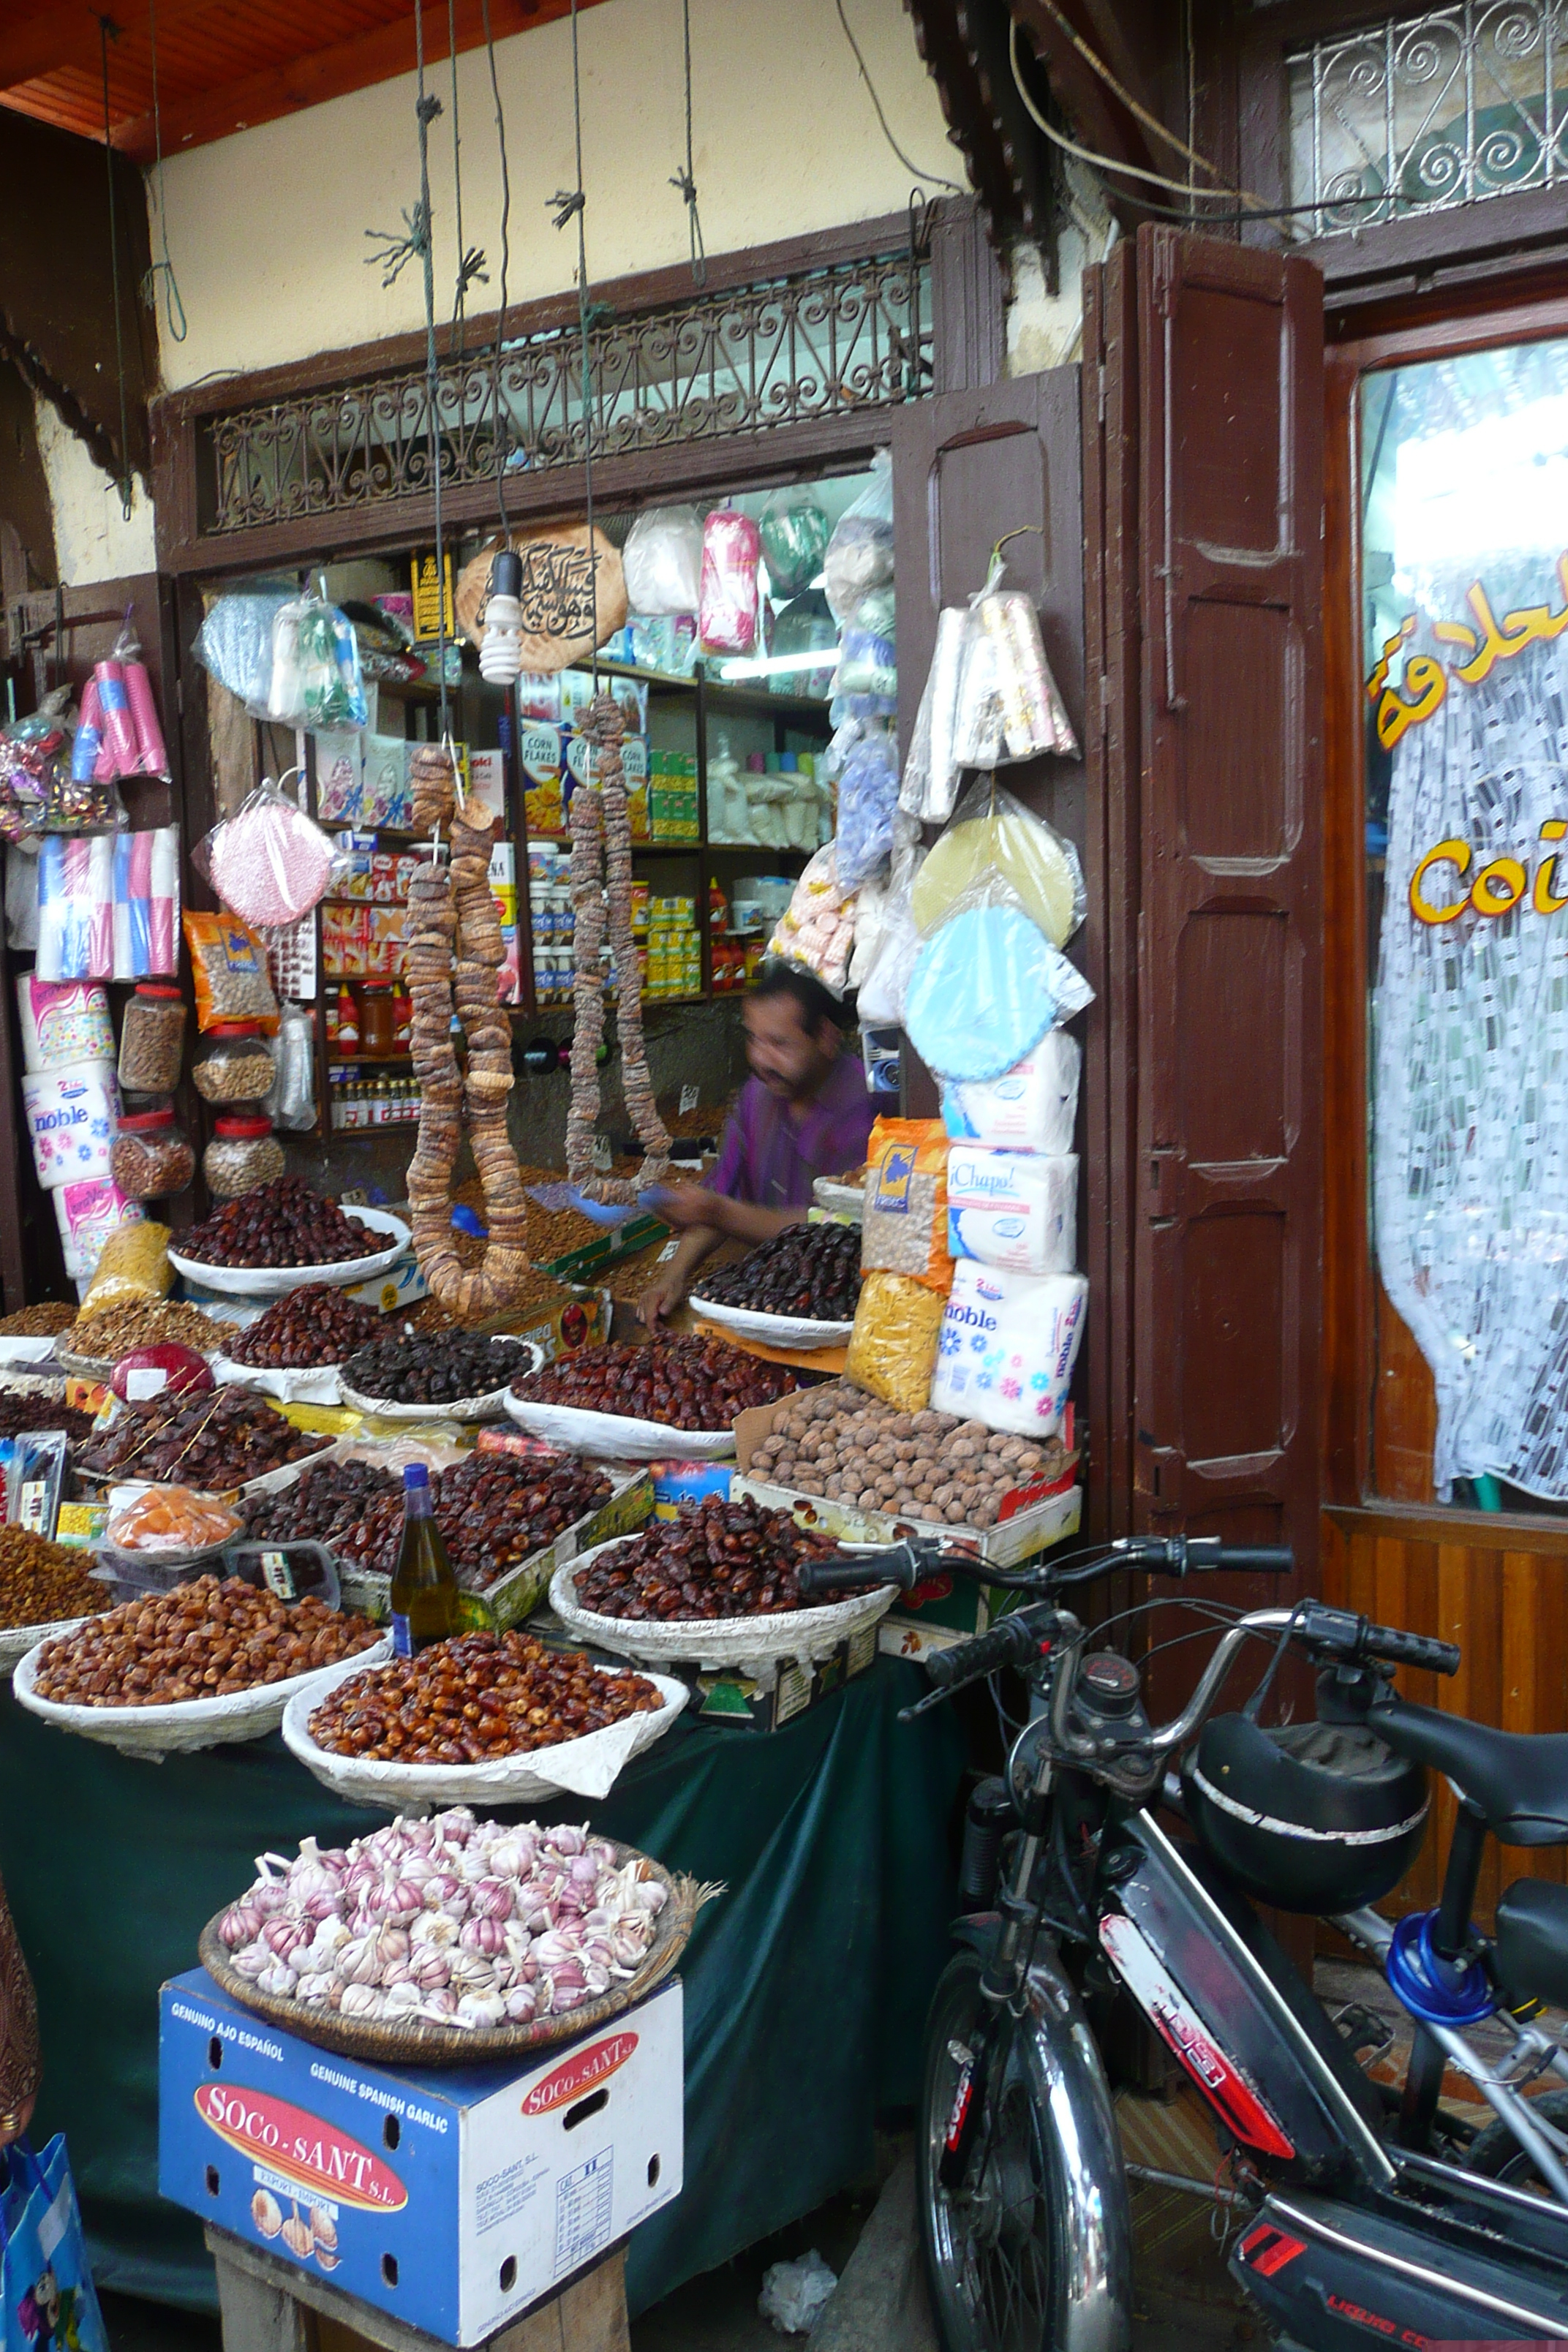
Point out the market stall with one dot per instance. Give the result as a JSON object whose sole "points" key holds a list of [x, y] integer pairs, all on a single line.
{"points": [[806, 1984]]}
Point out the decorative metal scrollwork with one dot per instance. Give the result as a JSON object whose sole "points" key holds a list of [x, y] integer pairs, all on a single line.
{"points": [[827, 342]]}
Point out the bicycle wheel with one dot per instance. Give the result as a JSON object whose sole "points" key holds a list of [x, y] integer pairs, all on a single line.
{"points": [[1498, 2155], [1031, 2249]]}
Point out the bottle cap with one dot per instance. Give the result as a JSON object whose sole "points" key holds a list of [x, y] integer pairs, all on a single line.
{"points": [[156, 988], [415, 1476], [139, 1122], [242, 1126], [234, 1028]]}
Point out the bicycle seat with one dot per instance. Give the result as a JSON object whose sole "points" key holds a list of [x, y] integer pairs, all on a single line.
{"points": [[1518, 1780]]}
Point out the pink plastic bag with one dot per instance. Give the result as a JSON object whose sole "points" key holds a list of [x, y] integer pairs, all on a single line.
{"points": [[732, 549]]}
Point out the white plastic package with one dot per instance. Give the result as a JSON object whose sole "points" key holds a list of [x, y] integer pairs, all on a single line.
{"points": [[818, 929], [931, 772], [860, 555], [882, 974], [71, 1114], [662, 560], [87, 1213], [1013, 1209], [794, 2294], [1032, 1106], [1008, 706], [1007, 1346], [291, 1100]]}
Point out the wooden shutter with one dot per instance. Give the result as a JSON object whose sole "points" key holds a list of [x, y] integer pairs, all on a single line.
{"points": [[1226, 1234]]}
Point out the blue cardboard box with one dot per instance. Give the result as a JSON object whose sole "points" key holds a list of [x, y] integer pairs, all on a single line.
{"points": [[451, 2197]]}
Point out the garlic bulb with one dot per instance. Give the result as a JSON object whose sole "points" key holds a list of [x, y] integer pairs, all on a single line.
{"points": [[481, 2009], [360, 2001]]}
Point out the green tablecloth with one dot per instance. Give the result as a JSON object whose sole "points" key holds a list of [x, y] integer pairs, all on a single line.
{"points": [[805, 1985]]}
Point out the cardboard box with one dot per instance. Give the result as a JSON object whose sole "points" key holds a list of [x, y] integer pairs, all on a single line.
{"points": [[450, 2198], [486, 776], [539, 756], [753, 1703]]}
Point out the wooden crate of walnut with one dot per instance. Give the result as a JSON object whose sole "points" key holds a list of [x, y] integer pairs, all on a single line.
{"points": [[852, 1449]]}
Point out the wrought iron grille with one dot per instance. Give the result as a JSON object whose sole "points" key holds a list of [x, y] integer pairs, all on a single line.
{"points": [[826, 343], [1448, 108]]}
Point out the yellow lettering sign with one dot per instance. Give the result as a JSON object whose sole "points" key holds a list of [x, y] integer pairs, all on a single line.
{"points": [[1447, 853]]}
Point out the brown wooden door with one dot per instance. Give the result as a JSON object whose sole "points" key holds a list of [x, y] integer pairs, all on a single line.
{"points": [[1226, 1212]]}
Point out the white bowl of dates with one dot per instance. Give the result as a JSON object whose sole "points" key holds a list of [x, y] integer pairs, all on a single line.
{"points": [[716, 1583], [409, 1376], [295, 1346], [207, 1663], [542, 1720], [797, 1290], [677, 1395], [218, 1441], [267, 1243]]}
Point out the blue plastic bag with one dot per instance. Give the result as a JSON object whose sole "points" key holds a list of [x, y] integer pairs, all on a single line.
{"points": [[46, 2286]]}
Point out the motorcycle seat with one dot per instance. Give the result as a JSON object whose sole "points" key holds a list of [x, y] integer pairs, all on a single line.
{"points": [[1532, 1950], [1518, 1780]]}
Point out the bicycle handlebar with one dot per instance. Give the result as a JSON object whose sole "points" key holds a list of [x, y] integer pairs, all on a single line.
{"points": [[906, 1564], [1343, 1634]]}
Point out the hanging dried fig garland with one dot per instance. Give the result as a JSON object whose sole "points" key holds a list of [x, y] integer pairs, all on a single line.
{"points": [[592, 884], [453, 953]]}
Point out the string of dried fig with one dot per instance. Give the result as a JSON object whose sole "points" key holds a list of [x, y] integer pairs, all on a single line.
{"points": [[454, 952], [591, 886]]}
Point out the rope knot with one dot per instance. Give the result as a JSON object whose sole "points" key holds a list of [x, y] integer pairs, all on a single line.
{"points": [[566, 204], [427, 108]]}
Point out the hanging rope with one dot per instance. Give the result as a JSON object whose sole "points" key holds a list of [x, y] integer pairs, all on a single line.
{"points": [[568, 204], [173, 308], [471, 267], [685, 181], [108, 30], [498, 411]]}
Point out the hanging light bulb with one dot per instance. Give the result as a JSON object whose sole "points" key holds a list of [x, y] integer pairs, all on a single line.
{"points": [[500, 655]]}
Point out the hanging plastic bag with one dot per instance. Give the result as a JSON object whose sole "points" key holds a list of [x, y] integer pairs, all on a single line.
{"points": [[867, 797], [76, 908], [727, 607], [987, 983], [315, 678], [269, 862], [806, 626], [817, 929], [884, 977], [229, 964], [290, 1100], [794, 535], [1008, 706], [860, 554], [662, 560], [234, 644], [931, 772], [903, 1219], [46, 2284], [118, 708], [994, 834]]}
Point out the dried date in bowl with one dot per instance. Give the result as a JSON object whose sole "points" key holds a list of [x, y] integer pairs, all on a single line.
{"points": [[204, 1639], [313, 1325], [476, 1699], [434, 1368], [216, 1440], [809, 1272], [715, 1560], [688, 1383]]}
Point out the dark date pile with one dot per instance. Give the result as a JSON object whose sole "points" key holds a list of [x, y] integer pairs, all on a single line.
{"points": [[280, 1223], [492, 1509], [20, 1413], [480, 1696], [314, 1325], [322, 1502], [204, 1639], [717, 1559], [812, 1271], [685, 1383], [432, 1367], [215, 1440]]}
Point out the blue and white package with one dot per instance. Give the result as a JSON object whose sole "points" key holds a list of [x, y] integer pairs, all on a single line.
{"points": [[986, 986], [1016, 1209], [1032, 1106], [1007, 1346]]}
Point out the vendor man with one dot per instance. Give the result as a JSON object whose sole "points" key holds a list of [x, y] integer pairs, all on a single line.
{"points": [[804, 1112]]}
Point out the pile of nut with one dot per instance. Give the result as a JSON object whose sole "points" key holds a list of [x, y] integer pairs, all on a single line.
{"points": [[492, 1509], [852, 1448], [214, 1440], [313, 1325], [41, 1583], [716, 1559], [280, 1223], [433, 1368], [685, 1383], [812, 1271], [475, 1698], [204, 1639], [114, 1330], [322, 1502], [40, 1322]]}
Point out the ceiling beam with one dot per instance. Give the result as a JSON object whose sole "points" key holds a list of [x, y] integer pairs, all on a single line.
{"points": [[963, 44], [310, 80], [65, 34], [1099, 117]]}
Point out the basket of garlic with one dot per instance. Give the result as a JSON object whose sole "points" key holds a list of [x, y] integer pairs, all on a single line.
{"points": [[450, 1940]]}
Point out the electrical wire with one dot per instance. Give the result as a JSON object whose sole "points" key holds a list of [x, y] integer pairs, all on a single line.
{"points": [[935, 178], [568, 204], [1097, 64], [164, 268], [126, 487], [685, 181], [460, 291], [501, 423]]}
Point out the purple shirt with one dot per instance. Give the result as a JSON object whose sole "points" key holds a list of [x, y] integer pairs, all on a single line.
{"points": [[770, 1159]]}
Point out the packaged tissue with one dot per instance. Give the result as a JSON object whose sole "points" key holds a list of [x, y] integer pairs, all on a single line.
{"points": [[63, 1021], [1032, 1106], [87, 1214], [70, 1114], [1007, 1346], [1014, 1209]]}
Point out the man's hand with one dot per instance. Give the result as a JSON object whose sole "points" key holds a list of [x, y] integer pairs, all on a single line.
{"points": [[663, 1294], [683, 1207]]}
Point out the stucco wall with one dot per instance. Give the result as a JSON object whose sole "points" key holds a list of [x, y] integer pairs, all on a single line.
{"points": [[93, 541], [267, 230]]}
